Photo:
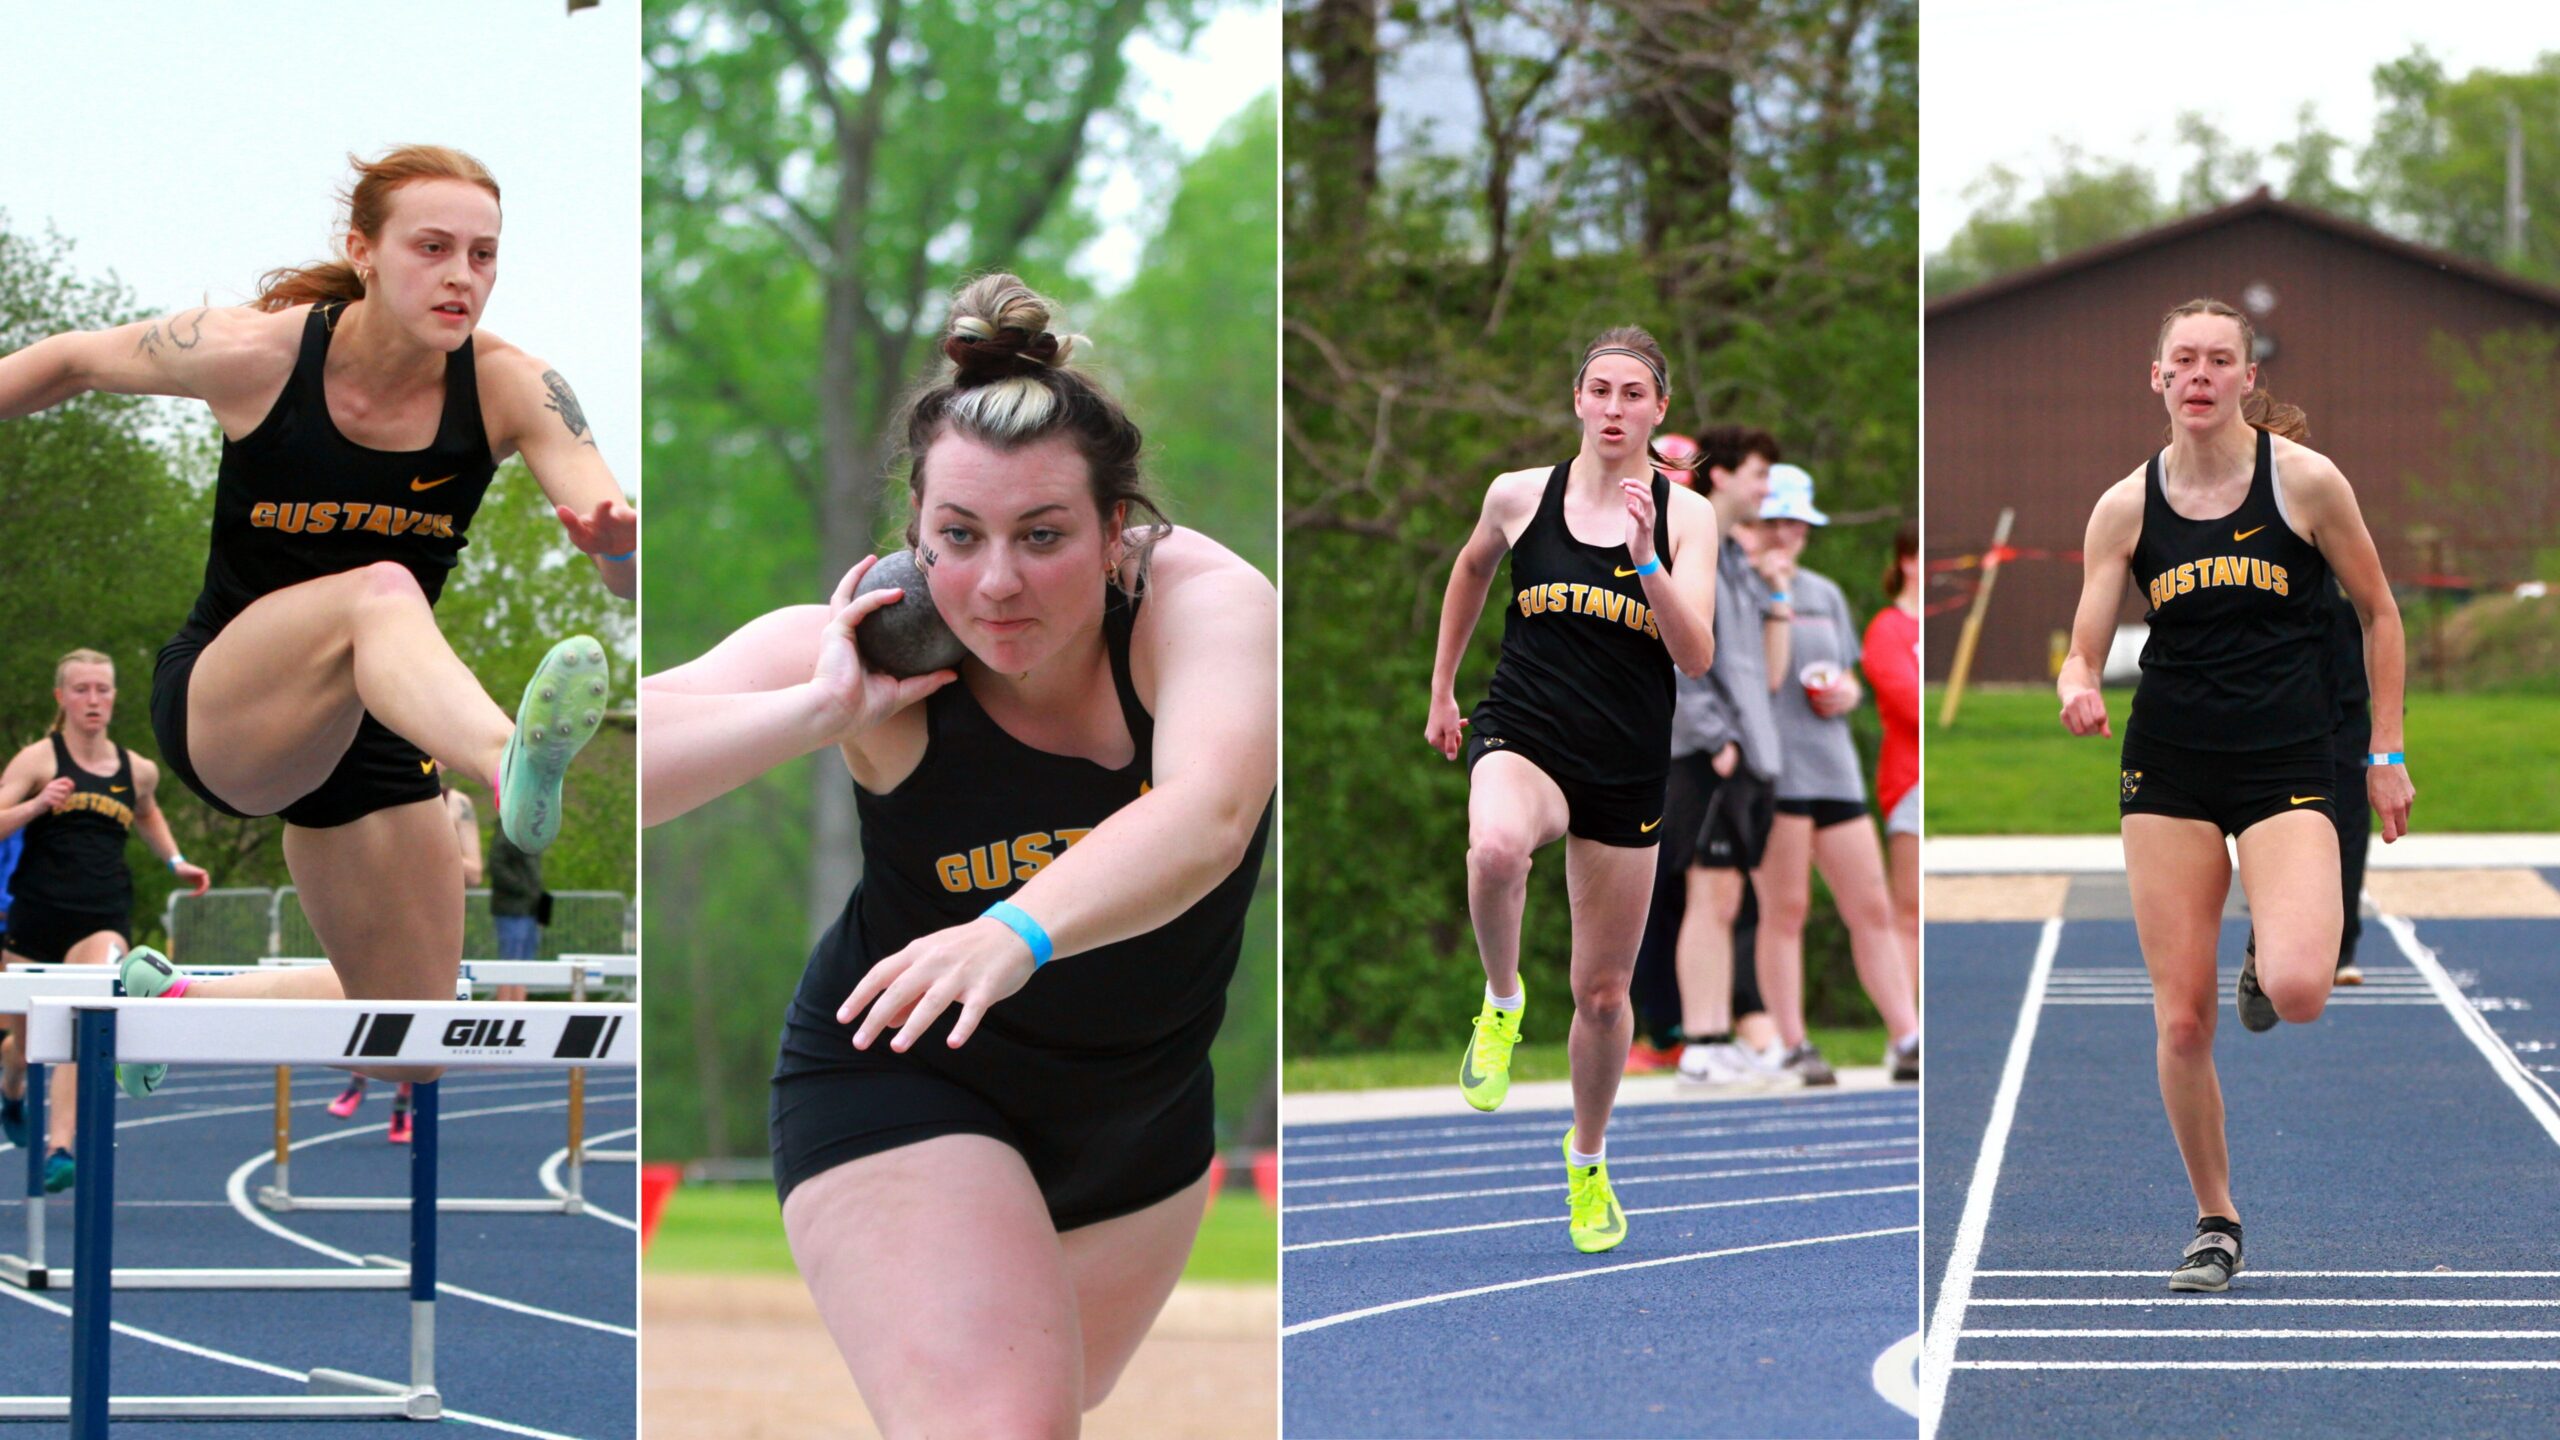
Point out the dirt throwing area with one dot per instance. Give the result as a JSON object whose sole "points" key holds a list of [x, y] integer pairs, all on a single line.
{"points": [[743, 1357]]}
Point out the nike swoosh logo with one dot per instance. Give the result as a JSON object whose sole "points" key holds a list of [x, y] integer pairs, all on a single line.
{"points": [[2307, 799], [427, 484], [2245, 534], [1622, 574], [1468, 1077], [426, 767], [1617, 1224], [118, 789], [1648, 829]]}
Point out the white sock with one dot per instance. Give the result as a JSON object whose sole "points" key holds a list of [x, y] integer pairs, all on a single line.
{"points": [[1580, 1161], [1907, 1043], [1503, 1002]]}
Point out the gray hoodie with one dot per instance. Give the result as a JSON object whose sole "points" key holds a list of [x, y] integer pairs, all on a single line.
{"points": [[1730, 703]]}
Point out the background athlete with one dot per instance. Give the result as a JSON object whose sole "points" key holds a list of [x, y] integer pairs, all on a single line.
{"points": [[2233, 534], [992, 1118], [363, 415], [1573, 739], [75, 795]]}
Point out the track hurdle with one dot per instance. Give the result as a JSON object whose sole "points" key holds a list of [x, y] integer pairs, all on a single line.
{"points": [[97, 1032], [19, 986], [570, 973]]}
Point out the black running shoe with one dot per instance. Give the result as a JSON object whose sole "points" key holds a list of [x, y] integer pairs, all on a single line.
{"points": [[2256, 1010], [2212, 1258]]}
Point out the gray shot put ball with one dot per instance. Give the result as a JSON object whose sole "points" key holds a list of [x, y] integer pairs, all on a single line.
{"points": [[907, 638]]}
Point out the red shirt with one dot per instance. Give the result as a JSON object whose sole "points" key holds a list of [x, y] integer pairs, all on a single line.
{"points": [[1892, 662]]}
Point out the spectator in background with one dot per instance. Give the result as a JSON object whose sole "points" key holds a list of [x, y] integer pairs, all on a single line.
{"points": [[1891, 658]]}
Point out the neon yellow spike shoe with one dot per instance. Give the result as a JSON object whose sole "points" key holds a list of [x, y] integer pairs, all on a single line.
{"points": [[1484, 1075], [1596, 1223], [562, 707], [146, 973]]}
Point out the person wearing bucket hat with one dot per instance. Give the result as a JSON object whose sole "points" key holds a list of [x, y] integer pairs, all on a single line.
{"points": [[1822, 806]]}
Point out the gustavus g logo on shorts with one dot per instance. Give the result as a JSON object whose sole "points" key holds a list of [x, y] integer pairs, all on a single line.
{"points": [[2132, 780]]}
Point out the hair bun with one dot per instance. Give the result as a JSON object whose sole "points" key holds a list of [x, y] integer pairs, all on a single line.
{"points": [[982, 359]]}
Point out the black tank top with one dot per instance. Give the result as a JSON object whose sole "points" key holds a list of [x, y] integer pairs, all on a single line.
{"points": [[74, 858], [2238, 623], [980, 815], [296, 500], [1584, 678]]}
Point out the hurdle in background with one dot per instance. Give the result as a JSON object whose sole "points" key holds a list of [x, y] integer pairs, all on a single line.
{"points": [[97, 1032], [18, 986], [571, 973]]}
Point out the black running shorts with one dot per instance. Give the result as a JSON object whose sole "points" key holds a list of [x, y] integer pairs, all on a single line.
{"points": [[2233, 789], [1825, 813], [379, 770], [1627, 815], [44, 935]]}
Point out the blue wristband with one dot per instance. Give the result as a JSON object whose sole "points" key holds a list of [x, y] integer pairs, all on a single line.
{"points": [[1777, 597], [625, 555], [2386, 757], [1650, 567], [1011, 917]]}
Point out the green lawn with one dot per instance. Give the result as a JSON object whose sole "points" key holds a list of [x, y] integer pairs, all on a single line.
{"points": [[1528, 1062], [2481, 763], [734, 1228]]}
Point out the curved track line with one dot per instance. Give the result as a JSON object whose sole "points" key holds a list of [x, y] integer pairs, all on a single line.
{"points": [[237, 1187], [549, 1175], [1362, 1314], [1897, 1374], [1548, 1187], [1550, 1219]]}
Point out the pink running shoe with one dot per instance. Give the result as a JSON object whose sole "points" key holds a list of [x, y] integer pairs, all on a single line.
{"points": [[348, 1099], [401, 1125]]}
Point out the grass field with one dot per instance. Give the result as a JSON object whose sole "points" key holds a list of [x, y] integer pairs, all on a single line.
{"points": [[1528, 1062], [2481, 763], [738, 1228]]}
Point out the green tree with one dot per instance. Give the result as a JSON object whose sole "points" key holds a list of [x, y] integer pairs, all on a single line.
{"points": [[2082, 202], [2439, 162]]}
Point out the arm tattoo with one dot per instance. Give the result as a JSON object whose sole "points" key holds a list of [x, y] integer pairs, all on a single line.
{"points": [[565, 403], [149, 344], [188, 329]]}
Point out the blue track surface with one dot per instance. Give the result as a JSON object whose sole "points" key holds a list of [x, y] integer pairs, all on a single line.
{"points": [[2379, 1139], [189, 1162], [1664, 1335]]}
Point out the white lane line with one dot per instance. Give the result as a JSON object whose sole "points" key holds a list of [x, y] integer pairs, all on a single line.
{"points": [[2217, 1302], [2258, 1364], [1896, 1375], [1548, 1141], [2528, 1087], [2348, 1001], [1821, 1147], [549, 1175], [237, 1187], [1956, 1289], [1416, 1303], [1651, 1210], [2256, 1274], [1643, 1119], [2216, 1333], [243, 1362], [1548, 1187]]}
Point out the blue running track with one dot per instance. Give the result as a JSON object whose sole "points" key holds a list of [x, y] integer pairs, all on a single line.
{"points": [[1764, 1289], [2397, 1164], [536, 1322]]}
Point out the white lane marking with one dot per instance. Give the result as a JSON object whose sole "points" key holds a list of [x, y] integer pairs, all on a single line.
{"points": [[2216, 1333], [1548, 1142], [1638, 1119], [1417, 1302], [2349, 1001], [1896, 1375], [237, 1187], [1823, 1147], [243, 1362], [2256, 1274], [1549, 1188], [2217, 1302], [1956, 1289], [2258, 1364], [1651, 1210], [2528, 1087], [549, 1175]]}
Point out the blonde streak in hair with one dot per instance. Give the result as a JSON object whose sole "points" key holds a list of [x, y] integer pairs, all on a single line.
{"points": [[1005, 410]]}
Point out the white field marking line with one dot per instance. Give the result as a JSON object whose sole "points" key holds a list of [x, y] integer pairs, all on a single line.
{"points": [[2334, 1000], [1416, 1303], [1549, 1188], [2220, 1301], [1548, 1141], [1824, 1147], [1896, 1375], [2256, 1274], [2258, 1364], [243, 1362], [2528, 1087], [1956, 1289], [2211, 1333], [216, 1112], [1633, 1117], [1650, 1210], [237, 1187], [549, 1175]]}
